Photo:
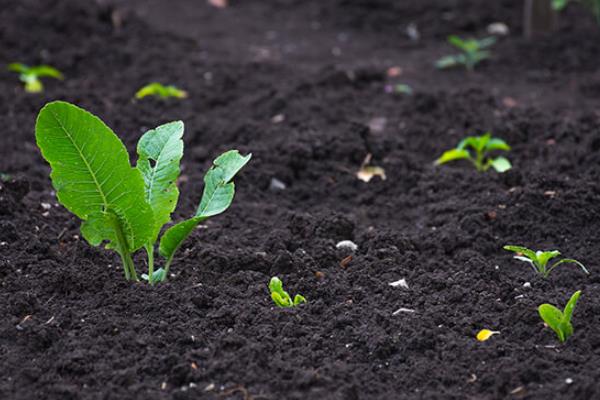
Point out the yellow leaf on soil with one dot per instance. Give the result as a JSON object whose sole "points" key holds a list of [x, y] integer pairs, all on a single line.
{"points": [[485, 334]]}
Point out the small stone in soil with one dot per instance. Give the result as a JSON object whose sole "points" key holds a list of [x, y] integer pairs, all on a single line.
{"points": [[347, 244], [400, 283], [276, 185]]}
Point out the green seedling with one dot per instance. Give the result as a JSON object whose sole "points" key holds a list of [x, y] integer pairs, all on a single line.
{"points": [[560, 321], [124, 206], [30, 76], [592, 5], [481, 146], [281, 297], [473, 52], [539, 259], [159, 90]]}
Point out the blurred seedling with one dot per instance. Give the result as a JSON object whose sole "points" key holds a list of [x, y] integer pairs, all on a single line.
{"points": [[539, 259], [473, 51], [30, 76], [560, 321], [280, 297], [159, 90], [476, 149]]}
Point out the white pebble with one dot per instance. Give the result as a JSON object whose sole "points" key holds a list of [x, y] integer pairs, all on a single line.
{"points": [[402, 283], [527, 285], [568, 381], [498, 28], [347, 244]]}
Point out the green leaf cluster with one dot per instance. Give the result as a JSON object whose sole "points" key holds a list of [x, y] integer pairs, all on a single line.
{"points": [[123, 206], [560, 321], [30, 76], [473, 51], [282, 298], [539, 259], [481, 146], [159, 90]]}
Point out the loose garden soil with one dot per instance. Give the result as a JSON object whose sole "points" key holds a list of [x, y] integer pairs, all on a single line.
{"points": [[300, 84]]}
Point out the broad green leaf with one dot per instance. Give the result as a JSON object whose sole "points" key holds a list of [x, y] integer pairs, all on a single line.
{"points": [[501, 164], [522, 250], [553, 317], [92, 175], [160, 150], [449, 61], [44, 71], [452, 155], [497, 144], [216, 198], [279, 300], [486, 42], [160, 90], [457, 42], [545, 256]]}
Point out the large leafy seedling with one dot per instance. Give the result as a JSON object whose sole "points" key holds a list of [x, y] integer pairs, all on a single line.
{"points": [[560, 321], [539, 260], [123, 206]]}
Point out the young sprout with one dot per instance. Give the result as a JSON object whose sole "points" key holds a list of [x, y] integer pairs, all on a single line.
{"points": [[481, 146], [123, 206], [473, 51], [539, 259], [281, 297], [30, 76], [159, 90], [560, 321]]}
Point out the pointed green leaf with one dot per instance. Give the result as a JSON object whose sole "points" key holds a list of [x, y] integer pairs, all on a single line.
{"points": [[452, 155], [91, 173], [44, 71], [160, 151], [523, 250], [298, 299], [216, 198], [17, 67], [570, 307], [545, 256], [449, 61], [571, 261], [457, 42], [497, 144]]}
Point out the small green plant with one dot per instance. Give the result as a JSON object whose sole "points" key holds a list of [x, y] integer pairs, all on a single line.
{"points": [[122, 205], [481, 146], [281, 297], [592, 5], [30, 76], [539, 259], [560, 321], [473, 52], [161, 91]]}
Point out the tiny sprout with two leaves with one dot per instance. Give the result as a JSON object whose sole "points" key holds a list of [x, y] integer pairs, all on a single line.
{"points": [[123, 205], [30, 76], [282, 298], [159, 90], [473, 51], [539, 259], [481, 146], [560, 321]]}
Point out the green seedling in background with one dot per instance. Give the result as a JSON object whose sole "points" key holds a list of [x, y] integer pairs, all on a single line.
{"points": [[126, 206], [473, 52], [159, 90], [560, 321], [592, 5], [399, 88], [30, 76], [539, 259], [481, 146], [281, 297]]}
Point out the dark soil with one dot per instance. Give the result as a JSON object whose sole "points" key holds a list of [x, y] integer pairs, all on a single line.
{"points": [[72, 328]]}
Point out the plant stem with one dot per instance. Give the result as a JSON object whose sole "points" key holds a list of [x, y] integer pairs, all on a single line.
{"points": [[167, 265], [150, 252], [123, 249], [125, 267]]}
